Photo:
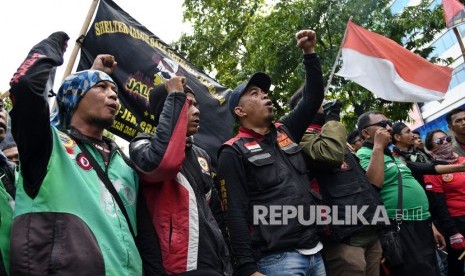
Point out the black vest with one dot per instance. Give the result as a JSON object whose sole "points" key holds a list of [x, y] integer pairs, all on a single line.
{"points": [[276, 175], [347, 186]]}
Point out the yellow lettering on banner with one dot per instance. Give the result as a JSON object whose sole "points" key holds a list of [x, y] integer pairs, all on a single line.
{"points": [[127, 116], [118, 125], [110, 27], [147, 128], [129, 131], [139, 87], [104, 27]]}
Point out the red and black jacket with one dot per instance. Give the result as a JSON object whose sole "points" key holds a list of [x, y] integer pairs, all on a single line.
{"points": [[177, 186]]}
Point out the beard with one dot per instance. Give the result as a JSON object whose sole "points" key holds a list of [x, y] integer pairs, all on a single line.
{"points": [[103, 123], [270, 118]]}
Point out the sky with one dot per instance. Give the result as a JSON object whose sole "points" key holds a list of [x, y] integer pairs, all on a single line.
{"points": [[27, 22]]}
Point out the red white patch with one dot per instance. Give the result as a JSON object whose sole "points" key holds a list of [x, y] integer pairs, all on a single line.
{"points": [[252, 146], [447, 177], [83, 162]]}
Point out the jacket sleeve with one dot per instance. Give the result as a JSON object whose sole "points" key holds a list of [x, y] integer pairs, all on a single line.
{"points": [[30, 116], [327, 148], [160, 157], [421, 168], [232, 172], [312, 97]]}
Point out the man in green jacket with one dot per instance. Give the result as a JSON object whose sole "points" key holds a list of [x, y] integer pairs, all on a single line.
{"points": [[68, 220]]}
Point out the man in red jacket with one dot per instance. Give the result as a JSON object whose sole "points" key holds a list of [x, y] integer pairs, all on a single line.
{"points": [[178, 187]]}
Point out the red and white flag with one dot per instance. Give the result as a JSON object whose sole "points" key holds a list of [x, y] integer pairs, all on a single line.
{"points": [[390, 71], [454, 12]]}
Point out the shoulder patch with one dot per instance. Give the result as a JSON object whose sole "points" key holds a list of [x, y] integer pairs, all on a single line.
{"points": [[67, 141]]}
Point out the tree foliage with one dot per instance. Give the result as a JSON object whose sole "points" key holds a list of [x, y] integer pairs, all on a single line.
{"points": [[233, 39]]}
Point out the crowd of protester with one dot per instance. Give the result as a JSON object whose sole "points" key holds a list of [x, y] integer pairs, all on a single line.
{"points": [[72, 203]]}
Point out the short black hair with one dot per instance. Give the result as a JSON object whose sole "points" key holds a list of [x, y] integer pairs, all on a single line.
{"points": [[453, 112], [352, 136], [416, 132], [295, 98], [429, 138], [364, 120]]}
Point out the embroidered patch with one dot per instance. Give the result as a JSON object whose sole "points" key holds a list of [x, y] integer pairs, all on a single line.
{"points": [[252, 146], [70, 151], [345, 166], [203, 164], [447, 177], [283, 140], [66, 140], [83, 162]]}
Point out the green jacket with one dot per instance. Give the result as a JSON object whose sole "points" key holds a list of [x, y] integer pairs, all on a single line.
{"points": [[325, 149]]}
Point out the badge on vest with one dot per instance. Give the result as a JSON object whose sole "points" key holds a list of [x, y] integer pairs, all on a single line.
{"points": [[345, 166], [447, 177], [253, 146], [283, 139], [83, 162], [68, 143]]}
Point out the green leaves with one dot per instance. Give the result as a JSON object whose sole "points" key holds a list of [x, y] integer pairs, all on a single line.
{"points": [[234, 39]]}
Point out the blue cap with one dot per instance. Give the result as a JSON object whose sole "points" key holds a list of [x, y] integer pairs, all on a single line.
{"points": [[259, 79]]}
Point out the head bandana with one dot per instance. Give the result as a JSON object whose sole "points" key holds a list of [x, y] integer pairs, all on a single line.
{"points": [[73, 88]]}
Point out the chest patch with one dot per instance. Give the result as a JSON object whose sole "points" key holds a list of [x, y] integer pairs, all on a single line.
{"points": [[283, 140], [253, 146], [83, 162], [447, 177], [204, 165]]}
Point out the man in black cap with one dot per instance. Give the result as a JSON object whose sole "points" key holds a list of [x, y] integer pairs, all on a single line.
{"points": [[265, 177]]}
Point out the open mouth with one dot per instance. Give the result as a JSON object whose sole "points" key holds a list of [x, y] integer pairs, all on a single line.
{"points": [[269, 104], [113, 106]]}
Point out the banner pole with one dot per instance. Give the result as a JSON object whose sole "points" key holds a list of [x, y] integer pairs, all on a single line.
{"points": [[80, 39], [337, 58]]}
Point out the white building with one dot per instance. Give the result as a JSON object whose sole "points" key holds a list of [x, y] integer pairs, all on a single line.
{"points": [[445, 46]]}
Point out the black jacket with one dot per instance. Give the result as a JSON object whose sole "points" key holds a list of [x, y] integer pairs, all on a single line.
{"points": [[270, 171]]}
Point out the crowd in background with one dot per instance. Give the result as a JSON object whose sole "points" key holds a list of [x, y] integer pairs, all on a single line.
{"points": [[73, 203]]}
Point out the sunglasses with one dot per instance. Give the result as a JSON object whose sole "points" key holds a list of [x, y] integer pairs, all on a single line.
{"points": [[382, 124], [443, 140]]}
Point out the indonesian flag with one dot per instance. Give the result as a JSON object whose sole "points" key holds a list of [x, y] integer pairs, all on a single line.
{"points": [[454, 12], [390, 71]]}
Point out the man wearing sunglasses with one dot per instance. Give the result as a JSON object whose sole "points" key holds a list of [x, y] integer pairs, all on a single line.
{"points": [[382, 170], [456, 122]]}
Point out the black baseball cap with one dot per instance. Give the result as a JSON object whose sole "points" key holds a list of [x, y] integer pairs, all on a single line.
{"points": [[259, 79]]}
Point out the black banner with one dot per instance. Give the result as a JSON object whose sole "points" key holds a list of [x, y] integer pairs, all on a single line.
{"points": [[143, 62]]}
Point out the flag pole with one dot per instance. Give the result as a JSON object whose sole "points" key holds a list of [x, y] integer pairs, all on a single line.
{"points": [[337, 58], [459, 40], [80, 39]]}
